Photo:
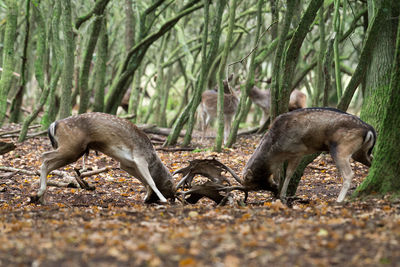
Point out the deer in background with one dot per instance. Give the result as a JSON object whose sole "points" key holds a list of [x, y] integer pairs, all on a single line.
{"points": [[295, 134], [118, 138], [208, 108], [262, 98]]}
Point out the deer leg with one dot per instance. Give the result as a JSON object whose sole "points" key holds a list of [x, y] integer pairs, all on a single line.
{"points": [[52, 160], [291, 168], [341, 156], [227, 128], [347, 174], [141, 171], [205, 119]]}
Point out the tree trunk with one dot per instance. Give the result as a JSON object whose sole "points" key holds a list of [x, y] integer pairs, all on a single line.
{"points": [[68, 67], [383, 175], [51, 108], [137, 53], [190, 109], [84, 89], [100, 68], [241, 112], [337, 26], [8, 56], [17, 101], [276, 73], [220, 74], [375, 26], [378, 71]]}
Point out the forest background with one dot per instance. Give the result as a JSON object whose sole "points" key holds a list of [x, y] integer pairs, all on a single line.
{"points": [[157, 57]]}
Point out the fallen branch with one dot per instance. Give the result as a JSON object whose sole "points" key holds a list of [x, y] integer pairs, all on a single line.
{"points": [[153, 129], [69, 181], [18, 130], [175, 149]]}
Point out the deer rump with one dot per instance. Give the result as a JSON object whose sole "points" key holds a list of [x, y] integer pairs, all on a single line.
{"points": [[305, 131]]}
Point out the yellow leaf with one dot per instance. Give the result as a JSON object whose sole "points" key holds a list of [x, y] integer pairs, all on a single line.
{"points": [[187, 262]]}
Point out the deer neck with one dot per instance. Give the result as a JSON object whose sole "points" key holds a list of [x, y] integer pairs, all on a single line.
{"points": [[161, 176]]}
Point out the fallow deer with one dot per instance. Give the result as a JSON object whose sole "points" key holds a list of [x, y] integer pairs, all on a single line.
{"points": [[118, 138], [209, 100], [262, 98], [295, 134]]}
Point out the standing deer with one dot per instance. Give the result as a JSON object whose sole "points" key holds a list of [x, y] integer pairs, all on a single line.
{"points": [[305, 131], [262, 98], [208, 105], [118, 138]]}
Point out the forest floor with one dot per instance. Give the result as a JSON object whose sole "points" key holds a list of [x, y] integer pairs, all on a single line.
{"points": [[111, 226]]}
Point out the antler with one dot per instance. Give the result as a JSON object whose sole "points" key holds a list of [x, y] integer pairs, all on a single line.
{"points": [[212, 169]]}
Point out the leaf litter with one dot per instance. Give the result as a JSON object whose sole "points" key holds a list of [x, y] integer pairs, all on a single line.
{"points": [[111, 226]]}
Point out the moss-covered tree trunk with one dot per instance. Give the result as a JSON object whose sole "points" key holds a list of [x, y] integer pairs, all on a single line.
{"points": [[293, 53], [100, 68], [51, 108], [220, 74], [137, 53], [384, 173], [8, 56], [242, 111], [17, 101], [68, 67], [207, 60], [276, 69], [379, 69], [190, 109], [84, 89]]}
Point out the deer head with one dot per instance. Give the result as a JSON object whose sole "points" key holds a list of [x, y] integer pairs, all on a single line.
{"points": [[305, 131], [118, 138]]}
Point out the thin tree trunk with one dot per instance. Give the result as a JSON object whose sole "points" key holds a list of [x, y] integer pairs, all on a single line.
{"points": [[84, 89], [336, 24], [57, 60], [220, 74], [276, 77], [100, 68], [320, 68], [8, 56], [68, 67], [293, 52], [241, 112], [17, 101], [190, 109]]}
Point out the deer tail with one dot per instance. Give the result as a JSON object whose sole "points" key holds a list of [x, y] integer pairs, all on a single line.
{"points": [[369, 140], [51, 132]]}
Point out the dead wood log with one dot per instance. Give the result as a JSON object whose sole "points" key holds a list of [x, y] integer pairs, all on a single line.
{"points": [[6, 147], [154, 129]]}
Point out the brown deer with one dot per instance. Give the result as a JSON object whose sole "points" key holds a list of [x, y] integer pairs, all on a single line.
{"points": [[118, 138], [262, 98], [208, 105], [305, 131]]}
